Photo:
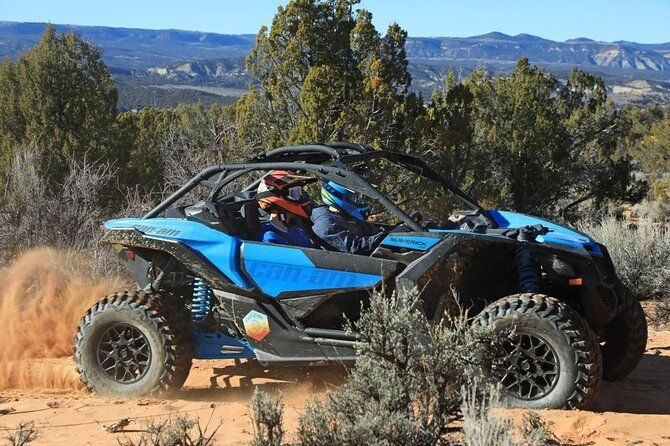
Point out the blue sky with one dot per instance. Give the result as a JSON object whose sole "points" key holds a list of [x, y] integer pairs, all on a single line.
{"points": [[646, 21]]}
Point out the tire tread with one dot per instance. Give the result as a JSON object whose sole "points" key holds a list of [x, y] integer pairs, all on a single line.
{"points": [[165, 314], [579, 334]]}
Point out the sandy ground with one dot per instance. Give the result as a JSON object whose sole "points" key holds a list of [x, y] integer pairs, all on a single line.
{"points": [[634, 411]]}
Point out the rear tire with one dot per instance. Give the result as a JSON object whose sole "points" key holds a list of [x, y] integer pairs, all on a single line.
{"points": [[549, 356], [133, 343], [625, 339]]}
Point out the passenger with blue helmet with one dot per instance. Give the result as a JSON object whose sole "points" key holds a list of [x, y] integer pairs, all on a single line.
{"points": [[341, 222]]}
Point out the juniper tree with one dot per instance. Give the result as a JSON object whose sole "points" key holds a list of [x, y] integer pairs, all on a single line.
{"points": [[61, 97]]}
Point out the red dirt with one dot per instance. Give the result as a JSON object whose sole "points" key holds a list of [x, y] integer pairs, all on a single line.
{"points": [[43, 294]]}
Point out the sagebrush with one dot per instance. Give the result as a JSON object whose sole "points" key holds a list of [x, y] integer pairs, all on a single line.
{"points": [[268, 416], [641, 255], [405, 386]]}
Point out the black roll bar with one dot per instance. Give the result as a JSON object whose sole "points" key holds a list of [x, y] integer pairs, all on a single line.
{"points": [[186, 188], [337, 174], [300, 149], [360, 148], [410, 162], [336, 159]]}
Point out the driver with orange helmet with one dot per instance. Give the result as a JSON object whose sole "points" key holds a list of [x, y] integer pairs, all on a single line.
{"points": [[280, 193]]}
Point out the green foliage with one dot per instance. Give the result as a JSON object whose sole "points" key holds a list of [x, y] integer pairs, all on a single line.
{"points": [[60, 96], [405, 386], [661, 190], [654, 155], [140, 137], [524, 142], [546, 148], [162, 148], [325, 73]]}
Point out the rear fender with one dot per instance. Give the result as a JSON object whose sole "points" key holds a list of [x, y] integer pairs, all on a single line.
{"points": [[220, 250], [132, 239]]}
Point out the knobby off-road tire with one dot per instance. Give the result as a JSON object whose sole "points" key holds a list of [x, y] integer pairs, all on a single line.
{"points": [[134, 343], [550, 356], [625, 339]]}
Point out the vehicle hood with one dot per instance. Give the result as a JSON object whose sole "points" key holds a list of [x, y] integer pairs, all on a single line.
{"points": [[557, 234]]}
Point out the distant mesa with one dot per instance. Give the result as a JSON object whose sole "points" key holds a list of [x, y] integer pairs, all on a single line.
{"points": [[580, 40], [491, 36], [212, 60]]}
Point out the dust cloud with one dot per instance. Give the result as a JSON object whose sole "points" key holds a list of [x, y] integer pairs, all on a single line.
{"points": [[43, 295]]}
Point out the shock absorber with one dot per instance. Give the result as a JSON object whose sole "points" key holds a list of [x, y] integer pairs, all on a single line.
{"points": [[527, 269], [202, 300]]}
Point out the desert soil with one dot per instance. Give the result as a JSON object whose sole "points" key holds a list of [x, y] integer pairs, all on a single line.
{"points": [[634, 411]]}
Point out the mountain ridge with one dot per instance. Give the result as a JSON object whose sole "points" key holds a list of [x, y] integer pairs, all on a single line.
{"points": [[146, 61], [139, 48]]}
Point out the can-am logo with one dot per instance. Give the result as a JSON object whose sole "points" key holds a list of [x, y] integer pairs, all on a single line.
{"points": [[152, 230]]}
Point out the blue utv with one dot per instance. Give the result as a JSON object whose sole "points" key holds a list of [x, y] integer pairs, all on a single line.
{"points": [[206, 289]]}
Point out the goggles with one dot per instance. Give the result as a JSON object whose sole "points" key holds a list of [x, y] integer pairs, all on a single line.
{"points": [[294, 193]]}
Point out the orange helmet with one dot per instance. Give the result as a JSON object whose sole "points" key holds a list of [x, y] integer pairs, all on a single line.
{"points": [[282, 190]]}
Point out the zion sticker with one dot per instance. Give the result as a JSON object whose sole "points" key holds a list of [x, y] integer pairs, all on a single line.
{"points": [[256, 325]]}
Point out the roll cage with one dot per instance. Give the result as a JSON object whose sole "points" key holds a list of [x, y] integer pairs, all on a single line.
{"points": [[328, 161]]}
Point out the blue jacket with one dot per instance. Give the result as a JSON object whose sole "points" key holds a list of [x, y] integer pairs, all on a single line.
{"points": [[352, 236], [295, 236]]}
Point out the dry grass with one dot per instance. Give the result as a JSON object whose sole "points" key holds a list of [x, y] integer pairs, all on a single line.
{"points": [[482, 426], [641, 256], [24, 433], [178, 430], [70, 217], [536, 431]]}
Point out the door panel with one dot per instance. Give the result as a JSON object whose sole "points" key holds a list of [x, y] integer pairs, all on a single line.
{"points": [[289, 271]]}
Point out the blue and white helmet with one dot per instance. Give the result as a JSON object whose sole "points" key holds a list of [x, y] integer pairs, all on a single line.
{"points": [[345, 200]]}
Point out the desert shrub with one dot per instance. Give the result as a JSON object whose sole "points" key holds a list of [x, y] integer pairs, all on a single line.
{"points": [[24, 433], [641, 255], [178, 430], [651, 210], [31, 215], [197, 138], [405, 386], [536, 431], [268, 413], [70, 217], [482, 426], [662, 315]]}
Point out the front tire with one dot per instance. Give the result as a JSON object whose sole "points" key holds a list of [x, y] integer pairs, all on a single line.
{"points": [[549, 356], [134, 343]]}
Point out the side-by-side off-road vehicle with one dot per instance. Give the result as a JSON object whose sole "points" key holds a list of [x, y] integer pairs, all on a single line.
{"points": [[207, 289]]}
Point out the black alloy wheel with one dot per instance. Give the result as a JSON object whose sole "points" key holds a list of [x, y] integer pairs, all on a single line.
{"points": [[124, 354], [530, 368]]}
